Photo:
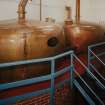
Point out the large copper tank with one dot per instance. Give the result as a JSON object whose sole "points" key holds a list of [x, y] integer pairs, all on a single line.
{"points": [[22, 40], [81, 34], [29, 40]]}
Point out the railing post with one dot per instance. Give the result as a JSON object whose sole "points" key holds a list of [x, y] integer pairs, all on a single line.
{"points": [[52, 82], [71, 71]]}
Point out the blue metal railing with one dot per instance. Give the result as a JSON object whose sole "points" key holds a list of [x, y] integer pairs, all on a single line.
{"points": [[51, 77], [93, 55], [80, 87], [91, 52], [72, 80]]}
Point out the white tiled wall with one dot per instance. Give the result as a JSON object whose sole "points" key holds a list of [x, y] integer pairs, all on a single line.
{"points": [[91, 10]]}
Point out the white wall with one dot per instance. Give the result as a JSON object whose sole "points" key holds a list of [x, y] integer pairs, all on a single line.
{"points": [[8, 9], [91, 10], [53, 8]]}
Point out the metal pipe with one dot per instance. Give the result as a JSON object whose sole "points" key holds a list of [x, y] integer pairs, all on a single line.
{"points": [[77, 11], [40, 10], [68, 10], [68, 16], [21, 9]]}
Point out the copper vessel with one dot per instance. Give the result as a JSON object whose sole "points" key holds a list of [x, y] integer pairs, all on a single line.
{"points": [[21, 40], [81, 34]]}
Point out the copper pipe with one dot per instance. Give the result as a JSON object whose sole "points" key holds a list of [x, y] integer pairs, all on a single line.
{"points": [[21, 9], [77, 11]]}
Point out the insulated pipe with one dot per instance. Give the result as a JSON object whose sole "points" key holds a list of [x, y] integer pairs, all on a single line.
{"points": [[21, 9], [77, 11]]}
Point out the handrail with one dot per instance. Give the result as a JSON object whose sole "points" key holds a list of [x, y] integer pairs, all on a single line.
{"points": [[40, 79], [85, 95], [95, 45], [93, 76], [97, 57], [16, 63], [89, 87], [52, 76], [92, 56], [90, 73], [6, 86], [97, 72]]}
